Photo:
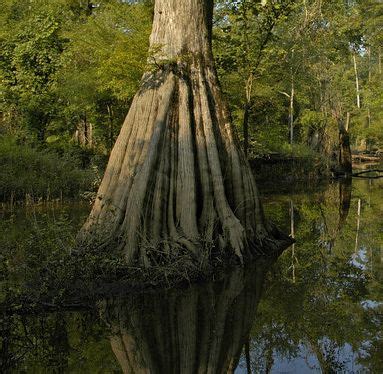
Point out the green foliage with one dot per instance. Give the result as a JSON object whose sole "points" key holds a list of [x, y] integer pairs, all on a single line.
{"points": [[263, 52], [325, 280], [63, 61], [70, 65], [33, 174], [32, 47], [312, 119], [66, 67], [106, 54]]}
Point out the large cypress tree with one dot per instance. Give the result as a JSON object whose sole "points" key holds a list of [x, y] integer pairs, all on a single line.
{"points": [[177, 179]]}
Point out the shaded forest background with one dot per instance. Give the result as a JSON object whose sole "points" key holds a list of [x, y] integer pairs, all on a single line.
{"points": [[291, 72]]}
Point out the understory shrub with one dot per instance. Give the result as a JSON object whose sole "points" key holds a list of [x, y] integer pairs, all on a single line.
{"points": [[35, 174]]}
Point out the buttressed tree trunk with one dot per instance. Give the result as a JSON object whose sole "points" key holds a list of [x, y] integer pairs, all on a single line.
{"points": [[176, 179]]}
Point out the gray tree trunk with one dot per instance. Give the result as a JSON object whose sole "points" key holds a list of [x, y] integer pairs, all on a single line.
{"points": [[176, 178], [291, 111], [356, 81]]}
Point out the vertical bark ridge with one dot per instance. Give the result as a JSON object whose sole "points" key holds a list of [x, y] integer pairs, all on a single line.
{"points": [[234, 190], [113, 168], [230, 224], [186, 194], [135, 148], [208, 214], [140, 182], [154, 211], [120, 187], [177, 182]]}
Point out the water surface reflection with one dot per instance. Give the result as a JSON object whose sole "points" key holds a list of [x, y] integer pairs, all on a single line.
{"points": [[198, 330], [318, 308]]}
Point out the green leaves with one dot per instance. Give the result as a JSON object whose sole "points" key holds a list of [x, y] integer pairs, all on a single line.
{"points": [[62, 61], [110, 50]]}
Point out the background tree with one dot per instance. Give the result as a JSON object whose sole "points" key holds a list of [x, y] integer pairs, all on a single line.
{"points": [[289, 70], [244, 31]]}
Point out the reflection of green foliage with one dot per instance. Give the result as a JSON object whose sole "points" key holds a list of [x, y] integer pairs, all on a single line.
{"points": [[322, 306], [74, 342]]}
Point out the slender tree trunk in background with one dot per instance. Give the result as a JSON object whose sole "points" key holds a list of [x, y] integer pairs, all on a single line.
{"points": [[245, 126], [347, 124], [368, 117], [368, 122], [380, 61], [84, 132], [246, 129], [369, 64], [345, 158], [291, 111], [90, 134], [176, 181], [85, 129], [356, 81], [111, 130]]}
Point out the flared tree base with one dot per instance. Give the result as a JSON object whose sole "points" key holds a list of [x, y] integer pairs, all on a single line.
{"points": [[176, 180]]}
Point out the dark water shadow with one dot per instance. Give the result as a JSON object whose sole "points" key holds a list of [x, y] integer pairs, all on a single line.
{"points": [[202, 329]]}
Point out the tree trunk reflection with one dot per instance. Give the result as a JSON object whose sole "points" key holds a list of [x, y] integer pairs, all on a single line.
{"points": [[198, 330]]}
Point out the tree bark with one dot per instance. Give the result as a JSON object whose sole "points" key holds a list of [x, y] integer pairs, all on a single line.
{"points": [[246, 128], [356, 81], [176, 180], [291, 111], [345, 158], [84, 132], [246, 114]]}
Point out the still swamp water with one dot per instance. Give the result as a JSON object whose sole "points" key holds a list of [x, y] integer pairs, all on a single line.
{"points": [[318, 308]]}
